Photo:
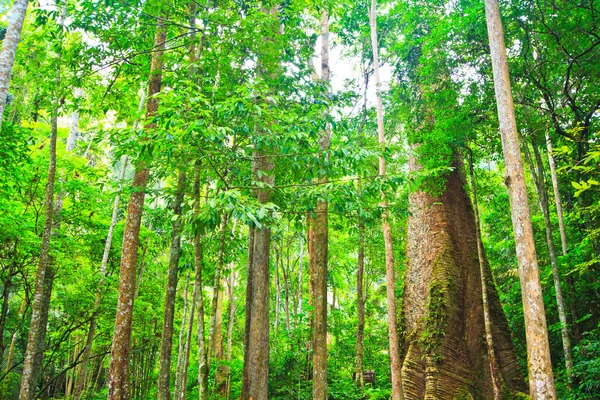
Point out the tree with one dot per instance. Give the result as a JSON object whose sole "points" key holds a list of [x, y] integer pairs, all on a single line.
{"points": [[541, 379]]}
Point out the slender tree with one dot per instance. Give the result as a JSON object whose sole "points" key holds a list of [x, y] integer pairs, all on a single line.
{"points": [[118, 383], [541, 378], [390, 272]]}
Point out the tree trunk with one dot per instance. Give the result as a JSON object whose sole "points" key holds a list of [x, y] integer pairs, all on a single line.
{"points": [[496, 378], [321, 231], [360, 305], [43, 282], [300, 268], [249, 293], [541, 379], [118, 381], [443, 308], [198, 285], [166, 342], [81, 377], [183, 340], [390, 273], [9, 49], [540, 186], [277, 288], [230, 330], [5, 298], [13, 341], [216, 321]]}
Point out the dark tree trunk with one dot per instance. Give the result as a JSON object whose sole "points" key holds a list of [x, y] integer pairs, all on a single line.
{"points": [[166, 343], [119, 383], [443, 309]]}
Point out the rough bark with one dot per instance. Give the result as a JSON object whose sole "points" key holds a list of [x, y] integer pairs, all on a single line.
{"points": [[537, 172], [118, 382], [320, 243], [496, 378], [360, 306], [541, 378], [81, 377], [446, 354], [9, 49], [43, 282], [390, 273], [166, 342]]}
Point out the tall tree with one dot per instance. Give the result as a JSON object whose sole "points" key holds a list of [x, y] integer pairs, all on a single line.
{"points": [[390, 271], [320, 243], [119, 384], [541, 377], [9, 49]]}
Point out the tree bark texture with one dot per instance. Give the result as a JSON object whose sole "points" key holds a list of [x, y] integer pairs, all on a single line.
{"points": [[390, 273], [541, 378], [446, 354], [320, 243], [118, 382], [537, 172], [81, 377], [43, 282], [9, 49], [166, 342]]}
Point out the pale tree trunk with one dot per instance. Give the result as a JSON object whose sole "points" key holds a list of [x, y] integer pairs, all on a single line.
{"points": [[81, 377], [390, 273], [563, 231], [13, 342], [43, 282], [540, 186], [256, 353], [118, 381], [166, 343], [321, 231], [182, 343], [360, 305], [9, 49], [541, 378], [230, 329], [216, 320], [496, 378], [198, 285]]}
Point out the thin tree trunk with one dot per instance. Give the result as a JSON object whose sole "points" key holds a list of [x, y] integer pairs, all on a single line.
{"points": [[540, 186], [277, 288], [390, 274], [249, 293], [4, 311], [360, 305], [166, 343], [119, 383], [183, 340], [43, 282], [321, 230], [300, 268], [198, 285], [13, 341], [80, 383], [541, 378], [496, 378], [9, 49], [216, 321], [230, 330]]}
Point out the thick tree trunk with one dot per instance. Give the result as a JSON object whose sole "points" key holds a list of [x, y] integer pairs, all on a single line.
{"points": [[43, 282], [446, 357], [390, 272], [496, 378], [81, 377], [166, 343], [541, 378], [321, 232], [119, 384], [9, 49], [360, 306], [540, 186]]}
